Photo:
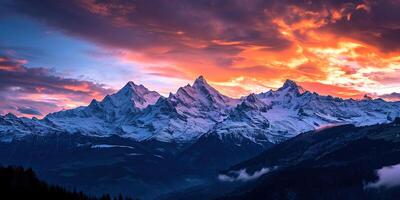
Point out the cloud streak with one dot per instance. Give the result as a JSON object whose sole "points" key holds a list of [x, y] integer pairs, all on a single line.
{"points": [[34, 91], [29, 111]]}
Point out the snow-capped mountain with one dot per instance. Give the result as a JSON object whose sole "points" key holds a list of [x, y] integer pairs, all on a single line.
{"points": [[13, 127], [183, 116], [98, 118], [202, 100], [261, 120], [130, 99], [192, 134], [199, 110], [104, 117], [278, 115]]}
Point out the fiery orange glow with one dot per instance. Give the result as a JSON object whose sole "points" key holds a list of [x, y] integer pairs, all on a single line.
{"points": [[333, 64], [340, 48]]}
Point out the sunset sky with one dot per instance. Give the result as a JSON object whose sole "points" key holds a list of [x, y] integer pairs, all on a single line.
{"points": [[61, 54]]}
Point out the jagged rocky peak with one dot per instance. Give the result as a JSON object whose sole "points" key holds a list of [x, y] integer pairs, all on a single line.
{"points": [[137, 94], [130, 98], [200, 81], [127, 90], [130, 84], [94, 102], [201, 85], [201, 94], [131, 88], [251, 98], [290, 85], [213, 94], [10, 115], [251, 101]]}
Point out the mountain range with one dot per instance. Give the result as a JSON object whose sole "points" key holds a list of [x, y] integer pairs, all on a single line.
{"points": [[140, 143], [199, 110]]}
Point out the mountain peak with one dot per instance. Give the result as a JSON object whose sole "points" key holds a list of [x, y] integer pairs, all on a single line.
{"points": [[289, 83], [130, 84], [131, 88], [139, 95], [200, 81], [292, 86], [201, 85], [202, 94], [94, 102], [128, 90], [10, 115]]}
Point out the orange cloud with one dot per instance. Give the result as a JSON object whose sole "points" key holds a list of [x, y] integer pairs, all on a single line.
{"points": [[337, 65], [332, 90], [345, 49]]}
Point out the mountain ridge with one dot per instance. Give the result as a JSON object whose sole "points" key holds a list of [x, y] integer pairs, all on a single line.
{"points": [[199, 109]]}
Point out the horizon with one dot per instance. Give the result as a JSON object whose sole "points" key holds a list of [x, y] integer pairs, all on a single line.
{"points": [[48, 62]]}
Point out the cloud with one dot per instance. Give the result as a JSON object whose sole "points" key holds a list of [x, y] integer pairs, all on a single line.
{"points": [[326, 89], [142, 24], [194, 37], [15, 76], [373, 22], [388, 177], [242, 175], [392, 76], [28, 111], [346, 44], [37, 91]]}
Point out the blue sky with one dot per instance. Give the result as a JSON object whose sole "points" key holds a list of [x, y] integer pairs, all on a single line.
{"points": [[42, 46]]}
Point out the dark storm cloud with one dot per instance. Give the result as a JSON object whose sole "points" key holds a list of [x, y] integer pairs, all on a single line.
{"points": [[173, 24], [374, 22]]}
